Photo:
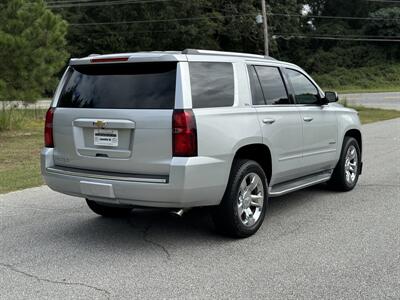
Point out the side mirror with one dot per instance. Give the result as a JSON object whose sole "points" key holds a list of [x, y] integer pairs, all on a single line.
{"points": [[331, 97]]}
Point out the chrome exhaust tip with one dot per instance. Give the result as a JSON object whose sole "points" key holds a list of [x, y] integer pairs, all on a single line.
{"points": [[179, 212]]}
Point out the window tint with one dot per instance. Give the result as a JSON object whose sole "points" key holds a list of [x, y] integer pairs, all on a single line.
{"points": [[305, 91], [130, 86], [256, 92], [212, 84], [272, 85]]}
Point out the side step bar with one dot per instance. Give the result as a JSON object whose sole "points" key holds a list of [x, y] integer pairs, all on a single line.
{"points": [[298, 184]]}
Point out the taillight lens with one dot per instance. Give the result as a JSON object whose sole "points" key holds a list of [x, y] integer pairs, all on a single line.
{"points": [[184, 133], [48, 128]]}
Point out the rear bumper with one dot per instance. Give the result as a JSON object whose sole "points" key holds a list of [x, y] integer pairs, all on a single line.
{"points": [[194, 181]]}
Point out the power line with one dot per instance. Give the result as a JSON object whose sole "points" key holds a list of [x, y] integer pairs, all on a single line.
{"points": [[193, 18], [340, 35], [101, 3], [69, 1], [156, 20], [335, 17], [384, 1], [335, 38]]}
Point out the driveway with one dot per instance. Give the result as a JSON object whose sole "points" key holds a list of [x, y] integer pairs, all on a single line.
{"points": [[314, 244]]}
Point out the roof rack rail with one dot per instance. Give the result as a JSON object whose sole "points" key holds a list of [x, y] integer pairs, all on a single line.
{"points": [[213, 52]]}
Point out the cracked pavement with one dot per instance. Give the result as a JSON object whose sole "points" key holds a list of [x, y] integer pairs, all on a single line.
{"points": [[314, 244]]}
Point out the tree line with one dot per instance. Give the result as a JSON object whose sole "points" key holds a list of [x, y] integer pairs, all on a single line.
{"points": [[37, 38]]}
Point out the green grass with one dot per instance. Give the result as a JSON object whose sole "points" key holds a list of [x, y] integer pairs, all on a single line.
{"points": [[20, 147], [370, 115], [382, 78], [19, 151]]}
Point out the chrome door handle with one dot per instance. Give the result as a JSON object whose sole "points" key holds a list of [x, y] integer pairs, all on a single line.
{"points": [[308, 119], [268, 121]]}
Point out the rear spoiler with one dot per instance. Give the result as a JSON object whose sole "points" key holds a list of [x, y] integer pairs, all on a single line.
{"points": [[127, 58]]}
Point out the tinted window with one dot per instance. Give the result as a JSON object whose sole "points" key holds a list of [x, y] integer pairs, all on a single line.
{"points": [[212, 84], [131, 86], [256, 92], [305, 91], [272, 85]]}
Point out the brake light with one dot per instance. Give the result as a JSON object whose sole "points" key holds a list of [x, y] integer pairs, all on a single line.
{"points": [[184, 133], [48, 128], [111, 59]]}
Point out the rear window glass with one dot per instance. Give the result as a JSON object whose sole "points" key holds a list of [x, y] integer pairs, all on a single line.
{"points": [[127, 85], [212, 84], [256, 92], [272, 85]]}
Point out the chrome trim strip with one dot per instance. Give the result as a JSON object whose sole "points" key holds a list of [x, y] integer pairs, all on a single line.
{"points": [[290, 157], [319, 152], [299, 187], [107, 177]]}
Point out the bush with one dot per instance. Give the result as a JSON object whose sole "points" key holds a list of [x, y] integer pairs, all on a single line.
{"points": [[372, 77]]}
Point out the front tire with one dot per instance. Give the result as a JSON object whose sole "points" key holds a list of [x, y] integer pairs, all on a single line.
{"points": [[108, 211], [243, 206], [345, 175]]}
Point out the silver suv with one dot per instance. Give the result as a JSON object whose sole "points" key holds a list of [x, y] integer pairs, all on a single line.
{"points": [[195, 128]]}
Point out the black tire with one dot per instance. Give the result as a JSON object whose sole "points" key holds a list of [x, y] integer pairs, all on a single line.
{"points": [[226, 216], [108, 211], [338, 180]]}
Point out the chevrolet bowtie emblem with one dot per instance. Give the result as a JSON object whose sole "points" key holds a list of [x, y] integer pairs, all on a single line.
{"points": [[99, 124]]}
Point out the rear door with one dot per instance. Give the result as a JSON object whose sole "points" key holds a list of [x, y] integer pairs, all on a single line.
{"points": [[319, 124], [116, 117], [280, 121]]}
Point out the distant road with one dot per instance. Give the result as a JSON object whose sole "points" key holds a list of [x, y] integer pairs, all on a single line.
{"points": [[377, 100], [42, 104]]}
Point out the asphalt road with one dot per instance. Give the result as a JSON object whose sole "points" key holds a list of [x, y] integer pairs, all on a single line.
{"points": [[376, 100], [314, 244]]}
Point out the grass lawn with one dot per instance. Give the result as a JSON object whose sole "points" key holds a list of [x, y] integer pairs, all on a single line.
{"points": [[19, 153], [370, 115], [20, 147]]}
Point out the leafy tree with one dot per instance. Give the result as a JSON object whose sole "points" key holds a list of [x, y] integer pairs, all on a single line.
{"points": [[32, 49]]}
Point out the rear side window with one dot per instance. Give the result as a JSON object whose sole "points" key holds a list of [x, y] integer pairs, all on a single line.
{"points": [[212, 84], [127, 85], [256, 91], [273, 88]]}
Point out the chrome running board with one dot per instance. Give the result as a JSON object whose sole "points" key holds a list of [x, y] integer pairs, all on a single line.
{"points": [[298, 184]]}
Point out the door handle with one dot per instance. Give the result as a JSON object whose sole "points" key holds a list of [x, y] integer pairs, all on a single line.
{"points": [[268, 121], [308, 119]]}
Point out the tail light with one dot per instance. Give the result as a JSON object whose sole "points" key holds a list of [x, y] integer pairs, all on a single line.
{"points": [[48, 128], [184, 133]]}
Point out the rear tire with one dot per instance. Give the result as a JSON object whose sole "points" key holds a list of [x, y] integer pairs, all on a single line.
{"points": [[244, 203], [108, 211], [345, 175]]}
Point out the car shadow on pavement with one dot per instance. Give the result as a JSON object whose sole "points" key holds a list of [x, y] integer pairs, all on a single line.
{"points": [[145, 228]]}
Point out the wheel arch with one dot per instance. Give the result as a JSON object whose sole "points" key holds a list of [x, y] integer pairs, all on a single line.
{"points": [[355, 133], [259, 153]]}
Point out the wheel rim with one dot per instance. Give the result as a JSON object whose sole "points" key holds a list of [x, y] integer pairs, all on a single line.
{"points": [[250, 199], [351, 165]]}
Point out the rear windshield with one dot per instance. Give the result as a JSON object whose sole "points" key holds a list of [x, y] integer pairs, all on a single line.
{"points": [[126, 85]]}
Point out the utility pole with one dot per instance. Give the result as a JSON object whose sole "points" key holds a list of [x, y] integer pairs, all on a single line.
{"points": [[264, 17]]}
